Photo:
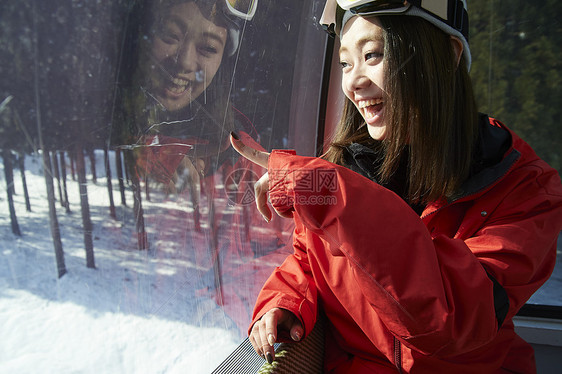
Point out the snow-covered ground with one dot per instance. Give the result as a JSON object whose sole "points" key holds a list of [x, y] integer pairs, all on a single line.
{"points": [[135, 313]]}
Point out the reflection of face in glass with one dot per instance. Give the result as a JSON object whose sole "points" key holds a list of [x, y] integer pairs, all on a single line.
{"points": [[187, 51]]}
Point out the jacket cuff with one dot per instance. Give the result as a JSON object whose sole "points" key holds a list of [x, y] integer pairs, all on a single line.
{"points": [[299, 308], [280, 181]]}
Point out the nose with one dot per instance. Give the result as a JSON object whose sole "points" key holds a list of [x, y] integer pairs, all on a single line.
{"points": [[186, 57], [355, 80]]}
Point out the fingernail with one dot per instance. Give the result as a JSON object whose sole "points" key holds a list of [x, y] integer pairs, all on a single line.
{"points": [[271, 339], [234, 135], [269, 358], [266, 219], [296, 336]]}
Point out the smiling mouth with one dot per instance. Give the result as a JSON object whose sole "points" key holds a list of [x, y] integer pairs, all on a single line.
{"points": [[178, 86], [370, 108]]}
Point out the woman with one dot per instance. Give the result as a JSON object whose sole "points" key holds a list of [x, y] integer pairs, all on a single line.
{"points": [[438, 222]]}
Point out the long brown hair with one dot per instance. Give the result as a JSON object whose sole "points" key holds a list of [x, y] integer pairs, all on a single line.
{"points": [[430, 109]]}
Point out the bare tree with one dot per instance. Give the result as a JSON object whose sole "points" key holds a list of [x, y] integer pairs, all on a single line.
{"points": [[54, 224], [62, 162], [142, 239], [56, 174], [109, 184], [21, 165], [8, 172], [85, 208]]}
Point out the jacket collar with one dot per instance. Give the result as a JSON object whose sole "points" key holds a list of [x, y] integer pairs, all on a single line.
{"points": [[364, 160], [494, 156]]}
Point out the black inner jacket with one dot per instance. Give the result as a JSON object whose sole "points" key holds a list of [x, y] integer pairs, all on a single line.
{"points": [[492, 144]]}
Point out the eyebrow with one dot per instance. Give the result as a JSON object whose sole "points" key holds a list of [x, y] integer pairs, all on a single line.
{"points": [[183, 26], [212, 35], [372, 37]]}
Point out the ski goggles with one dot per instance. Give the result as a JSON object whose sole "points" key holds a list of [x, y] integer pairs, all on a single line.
{"points": [[393, 5], [244, 9], [451, 12]]}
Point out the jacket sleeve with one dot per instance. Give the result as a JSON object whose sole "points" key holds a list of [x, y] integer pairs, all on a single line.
{"points": [[431, 291], [291, 287]]}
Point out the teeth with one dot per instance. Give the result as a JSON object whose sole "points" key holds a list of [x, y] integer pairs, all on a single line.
{"points": [[177, 90], [180, 82], [365, 103], [179, 85]]}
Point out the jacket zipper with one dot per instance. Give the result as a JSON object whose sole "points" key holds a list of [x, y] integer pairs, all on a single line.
{"points": [[398, 354]]}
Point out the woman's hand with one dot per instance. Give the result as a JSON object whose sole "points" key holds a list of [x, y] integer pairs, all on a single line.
{"points": [[261, 187], [265, 331]]}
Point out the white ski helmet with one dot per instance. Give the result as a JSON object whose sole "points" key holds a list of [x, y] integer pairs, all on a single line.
{"points": [[451, 16]]}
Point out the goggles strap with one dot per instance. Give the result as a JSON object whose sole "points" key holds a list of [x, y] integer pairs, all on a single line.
{"points": [[244, 9], [375, 6], [457, 17]]}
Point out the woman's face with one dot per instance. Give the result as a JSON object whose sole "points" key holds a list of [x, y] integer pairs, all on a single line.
{"points": [[186, 53], [362, 60]]}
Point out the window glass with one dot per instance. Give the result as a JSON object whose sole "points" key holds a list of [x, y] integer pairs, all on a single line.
{"points": [[516, 75], [129, 238]]}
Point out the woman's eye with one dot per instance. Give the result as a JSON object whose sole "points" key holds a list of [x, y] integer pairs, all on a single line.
{"points": [[372, 55], [209, 50], [343, 64], [169, 34], [169, 37]]}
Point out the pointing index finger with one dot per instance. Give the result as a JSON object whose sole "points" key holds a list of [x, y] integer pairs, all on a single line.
{"points": [[256, 156]]}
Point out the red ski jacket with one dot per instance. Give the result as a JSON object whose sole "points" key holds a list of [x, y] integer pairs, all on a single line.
{"points": [[429, 294]]}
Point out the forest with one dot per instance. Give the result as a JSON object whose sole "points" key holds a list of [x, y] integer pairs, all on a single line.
{"points": [[65, 68]]}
